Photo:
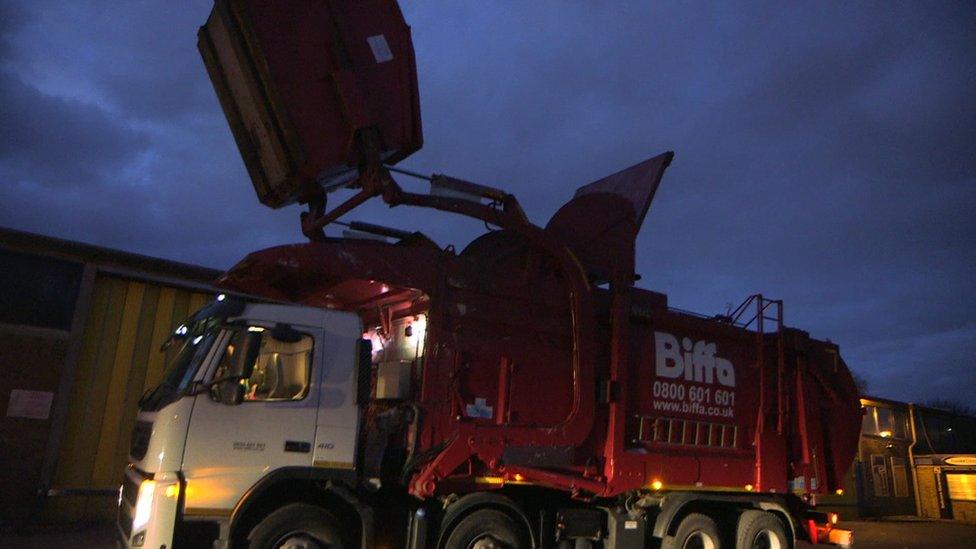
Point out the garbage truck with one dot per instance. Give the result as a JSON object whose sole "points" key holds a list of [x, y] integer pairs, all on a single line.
{"points": [[371, 388]]}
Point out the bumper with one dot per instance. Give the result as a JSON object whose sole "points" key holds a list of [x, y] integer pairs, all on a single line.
{"points": [[830, 535], [841, 537], [148, 506]]}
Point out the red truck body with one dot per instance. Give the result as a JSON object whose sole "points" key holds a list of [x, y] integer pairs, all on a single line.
{"points": [[596, 393], [543, 364]]}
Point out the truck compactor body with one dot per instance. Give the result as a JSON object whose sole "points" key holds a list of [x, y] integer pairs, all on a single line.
{"points": [[518, 392]]}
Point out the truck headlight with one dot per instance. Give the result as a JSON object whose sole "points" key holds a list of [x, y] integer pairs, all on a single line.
{"points": [[143, 504]]}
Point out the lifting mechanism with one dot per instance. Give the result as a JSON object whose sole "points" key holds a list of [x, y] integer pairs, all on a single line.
{"points": [[448, 194]]}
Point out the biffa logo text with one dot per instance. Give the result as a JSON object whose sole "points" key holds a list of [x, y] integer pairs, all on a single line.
{"points": [[692, 360]]}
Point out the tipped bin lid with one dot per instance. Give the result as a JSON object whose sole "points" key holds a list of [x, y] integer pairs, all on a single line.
{"points": [[312, 89]]}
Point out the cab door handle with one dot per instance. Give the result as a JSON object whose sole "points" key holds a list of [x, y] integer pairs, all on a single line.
{"points": [[298, 446]]}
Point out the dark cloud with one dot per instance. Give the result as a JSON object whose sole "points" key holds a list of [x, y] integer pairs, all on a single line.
{"points": [[58, 142], [137, 59], [826, 153], [11, 17]]}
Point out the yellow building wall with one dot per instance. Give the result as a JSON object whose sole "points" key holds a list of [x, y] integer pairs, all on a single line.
{"points": [[928, 492], [128, 321]]}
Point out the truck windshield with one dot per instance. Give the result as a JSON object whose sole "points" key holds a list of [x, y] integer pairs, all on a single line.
{"points": [[193, 347]]}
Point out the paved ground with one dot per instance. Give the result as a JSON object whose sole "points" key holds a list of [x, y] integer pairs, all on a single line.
{"points": [[868, 535], [81, 537]]}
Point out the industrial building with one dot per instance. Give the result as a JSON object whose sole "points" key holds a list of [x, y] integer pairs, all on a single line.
{"points": [[945, 464], [79, 327], [912, 461]]}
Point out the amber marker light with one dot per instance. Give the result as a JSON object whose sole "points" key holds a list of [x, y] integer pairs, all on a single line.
{"points": [[839, 491], [657, 484]]}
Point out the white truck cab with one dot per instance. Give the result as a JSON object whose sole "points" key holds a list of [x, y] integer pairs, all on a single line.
{"points": [[251, 391]]}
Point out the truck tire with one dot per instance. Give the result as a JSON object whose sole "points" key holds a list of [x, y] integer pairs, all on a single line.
{"points": [[696, 531], [487, 529], [298, 526], [760, 530]]}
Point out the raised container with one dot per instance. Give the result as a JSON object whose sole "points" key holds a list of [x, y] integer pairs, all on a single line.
{"points": [[312, 89]]}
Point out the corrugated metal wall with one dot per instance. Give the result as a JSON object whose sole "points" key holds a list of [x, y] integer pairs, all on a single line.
{"points": [[127, 323]]}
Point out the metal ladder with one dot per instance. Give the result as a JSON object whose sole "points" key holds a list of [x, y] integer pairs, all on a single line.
{"points": [[755, 312], [764, 310]]}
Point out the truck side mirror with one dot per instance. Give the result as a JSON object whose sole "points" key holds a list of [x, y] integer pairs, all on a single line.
{"points": [[230, 392], [251, 346], [364, 371]]}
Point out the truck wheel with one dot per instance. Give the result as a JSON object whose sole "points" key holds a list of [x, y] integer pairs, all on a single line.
{"points": [[760, 530], [298, 526], [487, 529], [696, 531]]}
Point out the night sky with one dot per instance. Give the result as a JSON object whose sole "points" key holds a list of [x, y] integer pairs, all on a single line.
{"points": [[825, 152]]}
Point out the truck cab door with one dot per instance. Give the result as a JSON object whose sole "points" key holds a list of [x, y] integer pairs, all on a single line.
{"points": [[233, 441]]}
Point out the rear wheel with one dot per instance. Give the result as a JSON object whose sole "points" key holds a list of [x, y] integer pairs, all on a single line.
{"points": [[487, 529], [760, 530], [696, 531], [298, 526]]}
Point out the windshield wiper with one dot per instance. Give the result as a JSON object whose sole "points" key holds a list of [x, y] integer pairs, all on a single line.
{"points": [[159, 395], [146, 395]]}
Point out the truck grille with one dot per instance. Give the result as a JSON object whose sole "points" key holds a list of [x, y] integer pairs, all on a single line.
{"points": [[125, 521], [140, 439], [127, 502], [130, 490]]}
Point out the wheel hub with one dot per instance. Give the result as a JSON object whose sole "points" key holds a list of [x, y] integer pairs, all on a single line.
{"points": [[299, 540], [699, 540], [765, 539], [487, 542]]}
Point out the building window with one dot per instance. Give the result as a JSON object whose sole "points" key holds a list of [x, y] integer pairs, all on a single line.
{"points": [[38, 291], [962, 486], [941, 432], [884, 422]]}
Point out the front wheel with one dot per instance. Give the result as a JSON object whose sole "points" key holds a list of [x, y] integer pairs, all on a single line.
{"points": [[696, 531], [298, 526], [760, 530], [487, 529]]}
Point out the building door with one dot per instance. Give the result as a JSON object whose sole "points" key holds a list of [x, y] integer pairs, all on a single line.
{"points": [[886, 479]]}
